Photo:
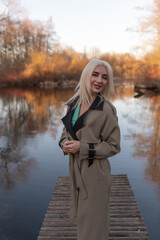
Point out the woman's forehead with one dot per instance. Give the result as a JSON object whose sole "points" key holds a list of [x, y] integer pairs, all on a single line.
{"points": [[101, 69]]}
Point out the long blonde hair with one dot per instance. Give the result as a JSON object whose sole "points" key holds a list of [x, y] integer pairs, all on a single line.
{"points": [[83, 89]]}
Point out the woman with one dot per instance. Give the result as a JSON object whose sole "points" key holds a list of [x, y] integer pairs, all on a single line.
{"points": [[91, 134]]}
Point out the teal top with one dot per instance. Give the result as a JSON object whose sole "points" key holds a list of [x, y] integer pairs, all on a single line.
{"points": [[75, 115]]}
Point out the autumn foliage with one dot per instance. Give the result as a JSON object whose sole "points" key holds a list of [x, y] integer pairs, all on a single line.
{"points": [[30, 53]]}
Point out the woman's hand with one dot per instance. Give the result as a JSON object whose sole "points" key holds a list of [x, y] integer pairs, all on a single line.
{"points": [[71, 146], [65, 150]]}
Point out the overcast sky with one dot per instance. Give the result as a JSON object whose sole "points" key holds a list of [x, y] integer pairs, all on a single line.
{"points": [[87, 24]]}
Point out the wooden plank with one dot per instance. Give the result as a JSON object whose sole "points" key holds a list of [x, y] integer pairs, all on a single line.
{"points": [[126, 220]]}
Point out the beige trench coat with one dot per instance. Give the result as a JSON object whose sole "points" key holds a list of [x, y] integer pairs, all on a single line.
{"points": [[90, 186]]}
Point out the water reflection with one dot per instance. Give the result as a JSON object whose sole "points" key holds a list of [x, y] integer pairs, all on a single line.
{"points": [[147, 141], [143, 117], [14, 166], [30, 116], [25, 113], [123, 92]]}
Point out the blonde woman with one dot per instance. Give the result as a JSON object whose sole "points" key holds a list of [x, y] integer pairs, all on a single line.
{"points": [[91, 134]]}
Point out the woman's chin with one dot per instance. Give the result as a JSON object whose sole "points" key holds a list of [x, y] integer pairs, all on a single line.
{"points": [[96, 91]]}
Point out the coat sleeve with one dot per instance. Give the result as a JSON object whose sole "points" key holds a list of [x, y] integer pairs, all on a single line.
{"points": [[64, 137], [109, 139]]}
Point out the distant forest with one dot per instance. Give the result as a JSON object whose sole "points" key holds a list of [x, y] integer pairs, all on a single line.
{"points": [[30, 53]]}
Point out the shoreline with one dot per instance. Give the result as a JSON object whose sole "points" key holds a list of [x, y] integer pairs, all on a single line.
{"points": [[63, 84], [139, 87]]}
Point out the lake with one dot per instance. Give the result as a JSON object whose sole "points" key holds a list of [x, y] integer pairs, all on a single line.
{"points": [[31, 160]]}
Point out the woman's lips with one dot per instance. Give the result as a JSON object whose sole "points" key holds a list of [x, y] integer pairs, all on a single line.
{"points": [[97, 86]]}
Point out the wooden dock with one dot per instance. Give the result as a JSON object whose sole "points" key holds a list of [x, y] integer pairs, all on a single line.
{"points": [[126, 220]]}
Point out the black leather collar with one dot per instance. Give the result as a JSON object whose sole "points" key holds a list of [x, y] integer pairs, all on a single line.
{"points": [[97, 103], [67, 119]]}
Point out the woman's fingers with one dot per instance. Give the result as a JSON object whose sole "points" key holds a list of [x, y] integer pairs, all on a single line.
{"points": [[71, 146]]}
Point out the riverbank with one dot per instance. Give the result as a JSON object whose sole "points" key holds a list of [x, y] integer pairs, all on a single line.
{"points": [[151, 88], [140, 88], [60, 84]]}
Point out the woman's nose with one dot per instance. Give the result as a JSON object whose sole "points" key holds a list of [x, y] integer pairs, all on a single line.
{"points": [[99, 79]]}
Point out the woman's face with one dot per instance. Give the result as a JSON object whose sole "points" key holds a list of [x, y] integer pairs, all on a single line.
{"points": [[99, 79]]}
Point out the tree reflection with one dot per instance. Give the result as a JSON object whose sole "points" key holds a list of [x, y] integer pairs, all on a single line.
{"points": [[124, 91], [25, 113], [14, 166], [145, 119], [147, 141]]}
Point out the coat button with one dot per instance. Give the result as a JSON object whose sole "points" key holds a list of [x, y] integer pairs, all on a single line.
{"points": [[78, 189]]}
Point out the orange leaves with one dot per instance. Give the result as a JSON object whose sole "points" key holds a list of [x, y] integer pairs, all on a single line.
{"points": [[61, 65], [40, 63], [77, 64]]}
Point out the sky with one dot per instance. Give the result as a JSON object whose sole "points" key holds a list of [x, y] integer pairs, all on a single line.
{"points": [[88, 24]]}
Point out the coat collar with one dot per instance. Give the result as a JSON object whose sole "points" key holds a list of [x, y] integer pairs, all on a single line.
{"points": [[67, 119], [97, 103]]}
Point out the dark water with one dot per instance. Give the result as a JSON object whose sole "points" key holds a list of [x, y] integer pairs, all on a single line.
{"points": [[31, 161]]}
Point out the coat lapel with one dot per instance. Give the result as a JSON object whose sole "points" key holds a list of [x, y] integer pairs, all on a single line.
{"points": [[67, 119], [96, 105]]}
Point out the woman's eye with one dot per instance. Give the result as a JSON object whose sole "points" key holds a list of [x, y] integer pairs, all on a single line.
{"points": [[94, 74]]}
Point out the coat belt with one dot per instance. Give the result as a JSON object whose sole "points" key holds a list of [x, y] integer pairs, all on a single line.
{"points": [[77, 181], [80, 182]]}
